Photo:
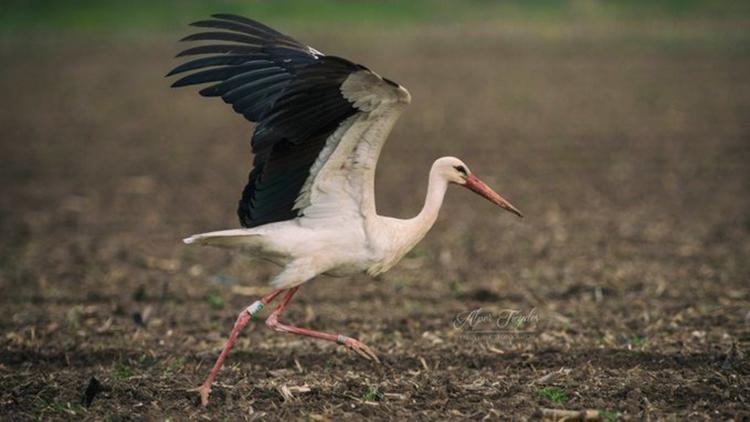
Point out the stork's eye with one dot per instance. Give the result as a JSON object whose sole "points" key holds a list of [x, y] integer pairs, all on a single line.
{"points": [[462, 170]]}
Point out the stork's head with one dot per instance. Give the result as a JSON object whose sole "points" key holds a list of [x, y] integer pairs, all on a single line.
{"points": [[455, 171]]}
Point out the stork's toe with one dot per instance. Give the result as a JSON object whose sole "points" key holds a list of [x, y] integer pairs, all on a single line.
{"points": [[361, 349]]}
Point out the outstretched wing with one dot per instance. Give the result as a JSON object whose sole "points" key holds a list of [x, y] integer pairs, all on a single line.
{"points": [[302, 101]]}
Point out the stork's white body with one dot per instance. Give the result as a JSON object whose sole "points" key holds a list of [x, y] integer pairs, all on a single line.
{"points": [[307, 247]]}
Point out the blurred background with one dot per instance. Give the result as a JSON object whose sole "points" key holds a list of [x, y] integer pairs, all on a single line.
{"points": [[620, 128]]}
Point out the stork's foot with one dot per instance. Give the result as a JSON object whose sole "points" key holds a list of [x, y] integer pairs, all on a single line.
{"points": [[359, 347], [205, 391]]}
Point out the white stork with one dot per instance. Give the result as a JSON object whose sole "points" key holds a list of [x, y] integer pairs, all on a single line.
{"points": [[309, 204]]}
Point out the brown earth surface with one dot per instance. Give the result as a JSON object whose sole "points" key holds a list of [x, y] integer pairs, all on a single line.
{"points": [[628, 280]]}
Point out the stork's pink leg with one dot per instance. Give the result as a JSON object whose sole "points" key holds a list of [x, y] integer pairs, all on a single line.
{"points": [[354, 344], [245, 316]]}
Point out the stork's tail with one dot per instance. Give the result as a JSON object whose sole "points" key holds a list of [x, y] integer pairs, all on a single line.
{"points": [[238, 238]]}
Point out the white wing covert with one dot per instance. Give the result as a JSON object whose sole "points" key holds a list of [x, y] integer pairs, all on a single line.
{"points": [[342, 178]]}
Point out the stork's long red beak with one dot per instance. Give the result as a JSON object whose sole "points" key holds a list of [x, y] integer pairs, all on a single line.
{"points": [[478, 186]]}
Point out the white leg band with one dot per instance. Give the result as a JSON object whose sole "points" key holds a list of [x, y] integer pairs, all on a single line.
{"points": [[256, 307], [342, 339]]}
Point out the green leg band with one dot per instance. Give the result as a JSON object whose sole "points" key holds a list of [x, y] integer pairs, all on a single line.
{"points": [[256, 307]]}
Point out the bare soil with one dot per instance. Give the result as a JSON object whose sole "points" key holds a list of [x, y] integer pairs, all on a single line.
{"points": [[627, 282]]}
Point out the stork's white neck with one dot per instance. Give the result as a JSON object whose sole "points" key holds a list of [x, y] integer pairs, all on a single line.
{"points": [[403, 235], [421, 224]]}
